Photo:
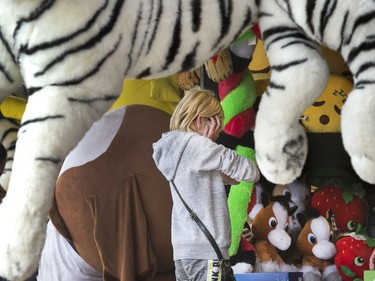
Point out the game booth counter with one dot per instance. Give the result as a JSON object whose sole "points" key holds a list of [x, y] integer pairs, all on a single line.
{"points": [[271, 276]]}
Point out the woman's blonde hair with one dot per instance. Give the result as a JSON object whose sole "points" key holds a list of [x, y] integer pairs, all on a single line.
{"points": [[195, 103]]}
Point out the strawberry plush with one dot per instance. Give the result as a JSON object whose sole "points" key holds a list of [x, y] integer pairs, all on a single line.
{"points": [[348, 206], [353, 256]]}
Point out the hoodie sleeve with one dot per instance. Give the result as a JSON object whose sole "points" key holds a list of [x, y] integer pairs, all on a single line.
{"points": [[209, 155]]}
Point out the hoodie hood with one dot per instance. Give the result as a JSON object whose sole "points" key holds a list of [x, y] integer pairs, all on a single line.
{"points": [[168, 151]]}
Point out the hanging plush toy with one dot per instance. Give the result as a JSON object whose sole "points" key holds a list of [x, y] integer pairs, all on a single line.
{"points": [[324, 115], [316, 246], [236, 88], [237, 93]]}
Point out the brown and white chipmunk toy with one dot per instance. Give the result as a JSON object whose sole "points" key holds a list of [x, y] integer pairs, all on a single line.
{"points": [[316, 245], [270, 228]]}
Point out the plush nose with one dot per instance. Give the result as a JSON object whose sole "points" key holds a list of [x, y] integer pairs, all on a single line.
{"points": [[324, 250], [280, 239]]}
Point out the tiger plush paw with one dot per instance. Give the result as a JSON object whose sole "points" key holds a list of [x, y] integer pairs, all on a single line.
{"points": [[280, 153], [20, 253]]}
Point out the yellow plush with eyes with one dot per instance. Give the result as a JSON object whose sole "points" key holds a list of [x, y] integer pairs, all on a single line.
{"points": [[324, 116]]}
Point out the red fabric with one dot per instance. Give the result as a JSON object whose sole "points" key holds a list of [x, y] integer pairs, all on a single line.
{"points": [[226, 86], [253, 200], [241, 123], [214, 58], [331, 198], [246, 245]]}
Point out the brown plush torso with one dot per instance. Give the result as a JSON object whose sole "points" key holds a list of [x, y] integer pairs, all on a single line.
{"points": [[267, 252], [117, 208], [311, 260]]}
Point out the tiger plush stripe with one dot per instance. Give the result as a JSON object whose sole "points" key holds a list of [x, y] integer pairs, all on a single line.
{"points": [[72, 56], [8, 138]]}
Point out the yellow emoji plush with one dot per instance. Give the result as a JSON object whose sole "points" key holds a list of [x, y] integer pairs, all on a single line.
{"points": [[325, 114]]}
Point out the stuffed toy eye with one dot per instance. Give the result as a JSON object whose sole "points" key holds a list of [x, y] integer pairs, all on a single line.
{"points": [[286, 192], [272, 222], [351, 225], [359, 261], [311, 238]]}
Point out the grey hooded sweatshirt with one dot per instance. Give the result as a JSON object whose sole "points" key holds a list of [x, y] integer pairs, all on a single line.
{"points": [[195, 163]]}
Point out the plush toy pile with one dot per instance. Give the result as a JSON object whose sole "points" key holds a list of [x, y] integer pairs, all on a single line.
{"points": [[335, 209], [338, 204]]}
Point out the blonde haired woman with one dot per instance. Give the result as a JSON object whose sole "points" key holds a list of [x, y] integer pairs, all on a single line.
{"points": [[189, 156]]}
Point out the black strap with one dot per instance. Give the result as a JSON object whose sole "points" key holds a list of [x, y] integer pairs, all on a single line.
{"points": [[204, 229]]}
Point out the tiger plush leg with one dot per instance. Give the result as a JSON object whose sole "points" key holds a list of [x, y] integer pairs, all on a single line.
{"points": [[347, 27], [55, 119], [357, 125], [358, 114], [299, 76]]}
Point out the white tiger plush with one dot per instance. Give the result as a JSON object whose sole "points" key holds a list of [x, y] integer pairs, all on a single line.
{"points": [[8, 137], [72, 56]]}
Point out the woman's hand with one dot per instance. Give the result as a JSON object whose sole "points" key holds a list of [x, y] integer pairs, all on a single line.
{"points": [[229, 180], [212, 128]]}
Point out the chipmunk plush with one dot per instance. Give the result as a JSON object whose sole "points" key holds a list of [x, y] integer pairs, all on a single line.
{"points": [[270, 228], [300, 194], [315, 244]]}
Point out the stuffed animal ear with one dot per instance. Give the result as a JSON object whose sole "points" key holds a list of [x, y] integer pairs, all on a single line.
{"points": [[265, 199], [301, 219], [292, 210], [255, 211], [286, 202]]}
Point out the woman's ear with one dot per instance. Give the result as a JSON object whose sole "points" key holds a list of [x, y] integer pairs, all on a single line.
{"points": [[199, 123]]}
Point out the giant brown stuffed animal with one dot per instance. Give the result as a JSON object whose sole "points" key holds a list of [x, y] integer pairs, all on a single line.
{"points": [[111, 202]]}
